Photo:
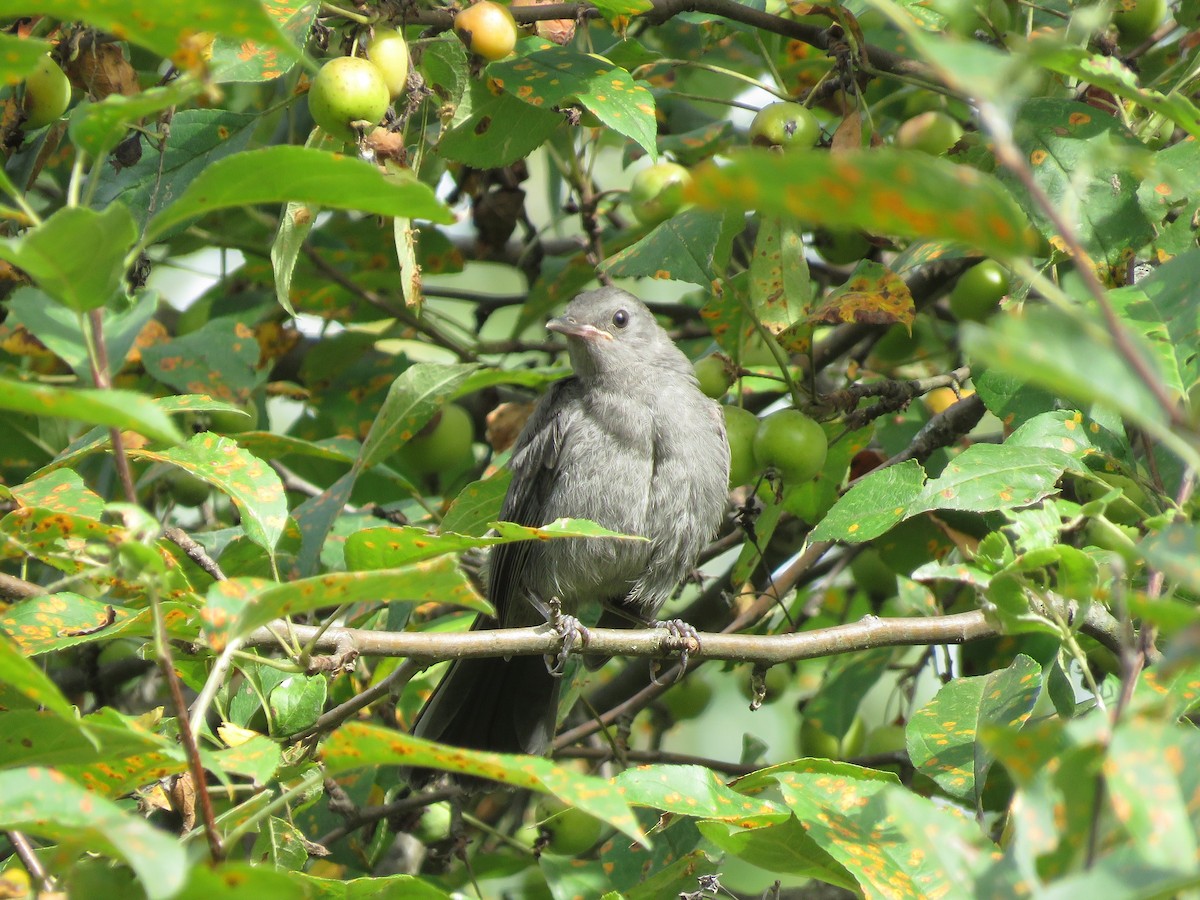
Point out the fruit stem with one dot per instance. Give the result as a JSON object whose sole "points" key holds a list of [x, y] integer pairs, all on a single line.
{"points": [[333, 10]]}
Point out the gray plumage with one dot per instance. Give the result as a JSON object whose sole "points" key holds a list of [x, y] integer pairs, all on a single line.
{"points": [[630, 442]]}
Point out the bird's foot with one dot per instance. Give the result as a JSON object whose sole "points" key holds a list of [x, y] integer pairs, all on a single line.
{"points": [[680, 636], [568, 629]]}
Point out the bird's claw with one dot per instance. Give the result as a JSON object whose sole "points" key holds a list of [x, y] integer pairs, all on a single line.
{"points": [[680, 636], [568, 629]]}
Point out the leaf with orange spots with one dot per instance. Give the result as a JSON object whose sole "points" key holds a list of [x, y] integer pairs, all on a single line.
{"points": [[1063, 140], [160, 27], [221, 359], [44, 803], [60, 330], [235, 609], [91, 274], [784, 847], [880, 191], [876, 504], [558, 76], [56, 621], [1109, 72], [355, 745], [18, 56], [282, 173], [388, 547], [234, 59], [250, 483], [24, 685], [872, 295], [781, 292], [199, 137], [412, 400], [695, 791], [500, 130], [943, 736], [478, 504], [61, 491], [691, 246], [844, 813]]}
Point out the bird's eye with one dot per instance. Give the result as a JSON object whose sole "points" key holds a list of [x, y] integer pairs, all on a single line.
{"points": [[621, 318]]}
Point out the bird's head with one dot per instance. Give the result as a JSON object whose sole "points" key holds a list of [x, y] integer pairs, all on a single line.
{"points": [[611, 334]]}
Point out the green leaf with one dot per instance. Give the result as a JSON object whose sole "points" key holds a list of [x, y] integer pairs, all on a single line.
{"points": [[556, 76], [252, 485], [943, 736], [874, 505], [1084, 161], [1164, 309], [220, 358], [500, 130], [236, 607], [477, 505], [781, 291], [22, 682], [62, 330], [355, 745], [388, 547], [110, 408], [987, 477], [687, 247], [695, 791], [1175, 551], [1074, 358], [97, 127], [18, 56], [785, 847], [416, 394], [283, 173], [61, 491], [162, 27], [198, 138], [880, 191], [42, 802], [297, 703], [87, 277]]}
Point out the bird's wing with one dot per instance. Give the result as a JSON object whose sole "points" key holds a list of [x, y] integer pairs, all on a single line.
{"points": [[535, 472]]}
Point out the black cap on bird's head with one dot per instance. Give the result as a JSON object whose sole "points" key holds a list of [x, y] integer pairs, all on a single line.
{"points": [[611, 332]]}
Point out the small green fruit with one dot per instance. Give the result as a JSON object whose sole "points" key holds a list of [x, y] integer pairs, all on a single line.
{"points": [[434, 824], [740, 428], [226, 421], [444, 445], [571, 831], [785, 124], [656, 193], [978, 291], [347, 90], [186, 489], [688, 699], [792, 444], [1136, 20], [713, 376], [389, 53], [47, 93], [931, 132], [841, 247]]}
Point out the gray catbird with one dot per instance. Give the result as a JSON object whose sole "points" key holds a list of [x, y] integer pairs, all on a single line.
{"points": [[630, 442]]}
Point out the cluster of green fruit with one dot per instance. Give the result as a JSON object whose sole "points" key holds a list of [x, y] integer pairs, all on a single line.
{"points": [[787, 442], [351, 93], [47, 94]]}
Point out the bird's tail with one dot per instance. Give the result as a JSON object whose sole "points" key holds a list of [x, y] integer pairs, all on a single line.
{"points": [[502, 705]]}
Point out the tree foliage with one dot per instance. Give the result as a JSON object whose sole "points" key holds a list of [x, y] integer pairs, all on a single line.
{"points": [[237, 521]]}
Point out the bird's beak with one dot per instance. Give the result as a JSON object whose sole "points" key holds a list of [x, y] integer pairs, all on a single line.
{"points": [[572, 328]]}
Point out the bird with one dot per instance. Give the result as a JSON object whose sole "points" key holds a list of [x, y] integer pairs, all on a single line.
{"points": [[627, 441]]}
